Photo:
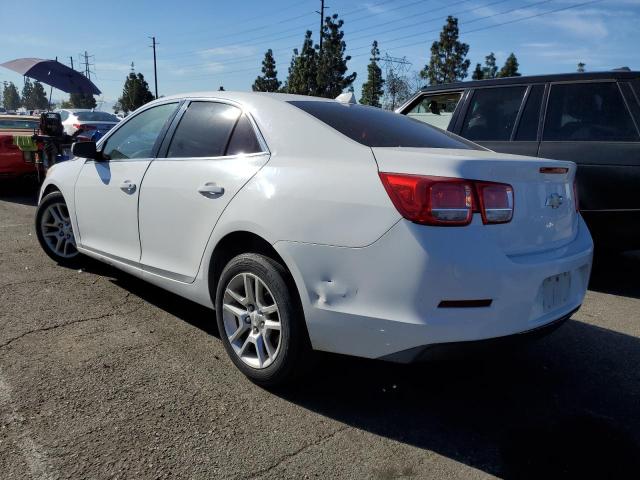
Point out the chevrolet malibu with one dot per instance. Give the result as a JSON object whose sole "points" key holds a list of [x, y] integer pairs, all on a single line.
{"points": [[315, 224]]}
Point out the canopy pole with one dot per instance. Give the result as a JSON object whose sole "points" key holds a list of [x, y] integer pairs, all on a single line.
{"points": [[50, 93]]}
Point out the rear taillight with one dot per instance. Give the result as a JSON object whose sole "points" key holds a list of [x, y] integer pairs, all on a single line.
{"points": [[496, 202], [448, 201], [83, 127], [576, 199]]}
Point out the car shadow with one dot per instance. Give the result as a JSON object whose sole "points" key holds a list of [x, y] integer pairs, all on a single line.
{"points": [[23, 192], [565, 405], [616, 274]]}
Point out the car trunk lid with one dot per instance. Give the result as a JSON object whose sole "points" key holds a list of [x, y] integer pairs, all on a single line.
{"points": [[544, 214]]}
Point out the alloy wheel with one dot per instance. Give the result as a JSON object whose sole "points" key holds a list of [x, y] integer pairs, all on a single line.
{"points": [[251, 320], [57, 230]]}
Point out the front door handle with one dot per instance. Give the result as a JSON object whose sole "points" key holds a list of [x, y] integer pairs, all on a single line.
{"points": [[211, 189], [127, 186]]}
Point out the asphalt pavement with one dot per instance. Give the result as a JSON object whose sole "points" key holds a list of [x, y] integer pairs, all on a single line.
{"points": [[104, 376]]}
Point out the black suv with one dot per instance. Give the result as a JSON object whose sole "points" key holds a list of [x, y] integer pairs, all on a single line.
{"points": [[592, 119]]}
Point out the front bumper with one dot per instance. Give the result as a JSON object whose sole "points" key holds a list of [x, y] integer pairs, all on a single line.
{"points": [[383, 299]]}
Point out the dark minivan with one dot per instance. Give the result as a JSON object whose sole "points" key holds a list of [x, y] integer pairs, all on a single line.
{"points": [[592, 119]]}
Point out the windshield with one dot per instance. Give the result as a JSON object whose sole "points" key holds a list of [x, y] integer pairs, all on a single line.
{"points": [[19, 124], [96, 117], [375, 127]]}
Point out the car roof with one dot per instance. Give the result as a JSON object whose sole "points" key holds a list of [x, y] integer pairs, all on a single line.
{"points": [[557, 77]]}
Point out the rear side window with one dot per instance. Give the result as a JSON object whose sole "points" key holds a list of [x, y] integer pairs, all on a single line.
{"points": [[243, 139], [204, 130], [492, 113], [436, 110], [374, 127], [588, 112], [528, 125]]}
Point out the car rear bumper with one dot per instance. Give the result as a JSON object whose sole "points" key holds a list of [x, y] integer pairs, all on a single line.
{"points": [[388, 297]]}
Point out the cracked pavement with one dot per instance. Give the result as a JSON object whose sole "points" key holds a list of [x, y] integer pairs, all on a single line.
{"points": [[104, 376]]}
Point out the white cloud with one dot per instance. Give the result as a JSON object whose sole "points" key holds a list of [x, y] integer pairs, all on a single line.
{"points": [[229, 50]]}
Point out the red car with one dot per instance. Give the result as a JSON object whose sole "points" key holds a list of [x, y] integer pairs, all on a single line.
{"points": [[15, 163]]}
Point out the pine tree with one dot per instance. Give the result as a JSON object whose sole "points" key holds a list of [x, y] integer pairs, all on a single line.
{"points": [[39, 97], [372, 89], [27, 94], [490, 69], [82, 100], [581, 66], [332, 63], [447, 63], [303, 70], [478, 74], [10, 97], [135, 93], [510, 68], [268, 81]]}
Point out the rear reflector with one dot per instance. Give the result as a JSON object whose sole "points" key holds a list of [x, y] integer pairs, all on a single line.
{"points": [[446, 201], [554, 170], [465, 303]]}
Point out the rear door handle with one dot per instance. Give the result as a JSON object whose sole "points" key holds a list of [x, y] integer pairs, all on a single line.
{"points": [[127, 186], [211, 189]]}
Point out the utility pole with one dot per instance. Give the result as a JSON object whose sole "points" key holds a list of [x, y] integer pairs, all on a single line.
{"points": [[87, 64], [71, 58], [155, 71], [321, 12]]}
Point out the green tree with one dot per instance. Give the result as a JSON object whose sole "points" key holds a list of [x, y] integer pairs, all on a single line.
{"points": [[332, 62], [303, 70], [10, 96], [448, 62], [268, 81], [510, 68], [490, 69], [135, 93], [27, 94], [478, 74], [82, 100], [372, 89], [581, 66], [397, 89], [39, 97]]}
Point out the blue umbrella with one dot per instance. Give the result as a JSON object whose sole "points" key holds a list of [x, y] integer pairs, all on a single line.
{"points": [[54, 74]]}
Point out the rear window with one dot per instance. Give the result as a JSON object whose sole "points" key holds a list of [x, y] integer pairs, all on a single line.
{"points": [[374, 127], [593, 111], [96, 117]]}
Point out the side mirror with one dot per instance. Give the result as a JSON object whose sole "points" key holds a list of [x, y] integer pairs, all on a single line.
{"points": [[85, 150]]}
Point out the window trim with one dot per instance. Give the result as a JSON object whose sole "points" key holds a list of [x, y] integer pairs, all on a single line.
{"points": [[523, 106], [575, 82], [164, 148], [161, 135]]}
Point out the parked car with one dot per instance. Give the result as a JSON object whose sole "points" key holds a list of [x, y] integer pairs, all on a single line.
{"points": [[309, 223], [87, 121], [592, 119], [15, 163]]}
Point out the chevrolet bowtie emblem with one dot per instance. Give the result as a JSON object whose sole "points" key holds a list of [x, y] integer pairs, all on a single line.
{"points": [[554, 200]]}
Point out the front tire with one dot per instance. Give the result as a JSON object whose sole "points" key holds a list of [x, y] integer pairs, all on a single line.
{"points": [[260, 322], [55, 231]]}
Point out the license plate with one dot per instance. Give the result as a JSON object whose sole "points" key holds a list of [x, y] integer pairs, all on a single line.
{"points": [[555, 291]]}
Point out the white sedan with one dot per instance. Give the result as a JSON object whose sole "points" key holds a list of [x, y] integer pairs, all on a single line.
{"points": [[313, 224]]}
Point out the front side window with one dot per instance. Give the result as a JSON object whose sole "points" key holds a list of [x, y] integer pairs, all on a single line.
{"points": [[436, 110], [374, 127], [588, 112], [492, 113], [204, 130], [137, 136]]}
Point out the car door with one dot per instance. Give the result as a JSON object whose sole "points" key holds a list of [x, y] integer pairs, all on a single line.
{"points": [[590, 123], [493, 113], [106, 191], [212, 150]]}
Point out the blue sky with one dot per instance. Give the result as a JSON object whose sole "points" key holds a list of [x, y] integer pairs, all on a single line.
{"points": [[205, 44]]}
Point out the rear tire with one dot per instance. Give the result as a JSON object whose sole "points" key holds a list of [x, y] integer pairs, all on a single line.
{"points": [[260, 321], [55, 231]]}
